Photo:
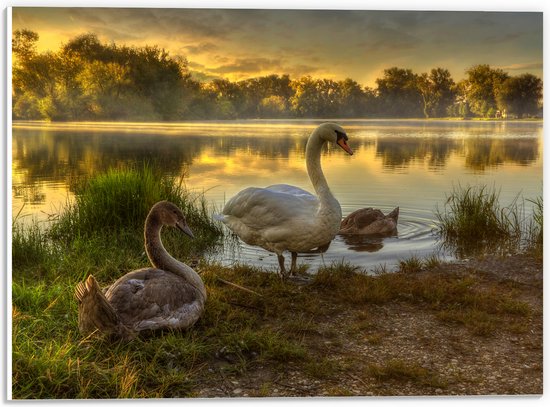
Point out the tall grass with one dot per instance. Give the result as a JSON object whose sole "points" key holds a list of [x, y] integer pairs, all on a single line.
{"points": [[473, 220], [30, 245], [535, 227], [115, 204]]}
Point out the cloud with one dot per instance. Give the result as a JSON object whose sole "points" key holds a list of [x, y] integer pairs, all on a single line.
{"points": [[250, 67], [247, 65], [196, 65], [499, 39], [244, 68], [296, 71], [522, 67], [204, 47], [202, 76]]}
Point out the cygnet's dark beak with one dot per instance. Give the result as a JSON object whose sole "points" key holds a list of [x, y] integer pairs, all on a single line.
{"points": [[181, 225]]}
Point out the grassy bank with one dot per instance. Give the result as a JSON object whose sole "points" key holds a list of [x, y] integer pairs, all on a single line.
{"points": [[306, 339], [285, 325]]}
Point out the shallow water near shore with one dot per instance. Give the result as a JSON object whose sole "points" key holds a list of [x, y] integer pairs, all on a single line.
{"points": [[412, 164]]}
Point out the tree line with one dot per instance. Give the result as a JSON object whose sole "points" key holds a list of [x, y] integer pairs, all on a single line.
{"points": [[88, 80]]}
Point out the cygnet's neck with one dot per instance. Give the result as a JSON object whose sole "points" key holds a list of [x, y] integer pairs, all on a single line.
{"points": [[313, 162], [161, 259]]}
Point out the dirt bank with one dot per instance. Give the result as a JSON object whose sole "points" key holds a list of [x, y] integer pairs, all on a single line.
{"points": [[405, 344]]}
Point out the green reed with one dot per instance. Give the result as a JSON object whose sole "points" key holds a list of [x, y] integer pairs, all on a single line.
{"points": [[115, 204], [473, 220]]}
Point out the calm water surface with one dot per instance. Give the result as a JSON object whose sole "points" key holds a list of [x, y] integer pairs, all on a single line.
{"points": [[406, 163]]}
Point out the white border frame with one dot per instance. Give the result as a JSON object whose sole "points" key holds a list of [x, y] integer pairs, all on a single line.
{"points": [[420, 5]]}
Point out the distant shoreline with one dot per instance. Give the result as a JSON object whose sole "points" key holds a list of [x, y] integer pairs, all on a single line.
{"points": [[312, 120]]}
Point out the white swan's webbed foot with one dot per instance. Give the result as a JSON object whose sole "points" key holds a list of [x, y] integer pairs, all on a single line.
{"points": [[293, 264], [282, 269]]}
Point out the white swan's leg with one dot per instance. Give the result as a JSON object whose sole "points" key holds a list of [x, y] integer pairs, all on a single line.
{"points": [[293, 264], [282, 265]]}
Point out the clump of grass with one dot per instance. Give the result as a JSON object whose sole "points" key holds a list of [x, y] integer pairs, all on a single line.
{"points": [[432, 261], [30, 246], [116, 203], [472, 219], [380, 268], [396, 369], [322, 369], [411, 265], [333, 275], [535, 227]]}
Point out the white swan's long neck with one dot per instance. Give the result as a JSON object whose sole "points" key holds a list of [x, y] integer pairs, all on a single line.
{"points": [[161, 259], [315, 172]]}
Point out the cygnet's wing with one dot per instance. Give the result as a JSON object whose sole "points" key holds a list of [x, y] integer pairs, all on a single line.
{"points": [[152, 299], [365, 217]]}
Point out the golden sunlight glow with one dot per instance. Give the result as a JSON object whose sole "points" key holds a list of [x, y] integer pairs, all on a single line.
{"points": [[239, 44]]}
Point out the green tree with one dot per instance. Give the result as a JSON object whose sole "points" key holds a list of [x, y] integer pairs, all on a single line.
{"points": [[428, 96], [23, 44], [229, 96], [437, 92], [33, 75], [273, 107], [255, 90], [88, 47], [481, 86], [315, 97], [305, 101], [443, 88], [353, 100], [520, 95], [398, 93]]}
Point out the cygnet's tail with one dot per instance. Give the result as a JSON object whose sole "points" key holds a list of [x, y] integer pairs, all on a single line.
{"points": [[394, 214], [95, 312]]}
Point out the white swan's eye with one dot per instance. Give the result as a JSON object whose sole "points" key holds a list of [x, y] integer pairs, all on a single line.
{"points": [[340, 135]]}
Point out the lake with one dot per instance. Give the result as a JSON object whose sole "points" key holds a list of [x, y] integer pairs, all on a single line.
{"points": [[412, 164]]}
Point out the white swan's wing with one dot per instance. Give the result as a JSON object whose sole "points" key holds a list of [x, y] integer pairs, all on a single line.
{"points": [[259, 208], [292, 190]]}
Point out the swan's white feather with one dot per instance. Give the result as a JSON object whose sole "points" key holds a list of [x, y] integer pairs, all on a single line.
{"points": [[278, 218], [291, 189]]}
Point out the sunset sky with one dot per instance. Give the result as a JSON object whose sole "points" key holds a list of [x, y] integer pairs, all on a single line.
{"points": [[239, 44]]}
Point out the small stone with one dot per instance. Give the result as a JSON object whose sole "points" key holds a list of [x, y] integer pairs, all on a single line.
{"points": [[237, 391]]}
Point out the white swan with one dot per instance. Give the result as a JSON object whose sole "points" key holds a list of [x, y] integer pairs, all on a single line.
{"points": [[170, 295], [283, 217]]}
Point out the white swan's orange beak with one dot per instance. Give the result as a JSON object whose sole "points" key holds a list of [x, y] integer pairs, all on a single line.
{"points": [[343, 143], [185, 229]]}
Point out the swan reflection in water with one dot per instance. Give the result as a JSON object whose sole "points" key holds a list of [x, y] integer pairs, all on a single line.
{"points": [[363, 243]]}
